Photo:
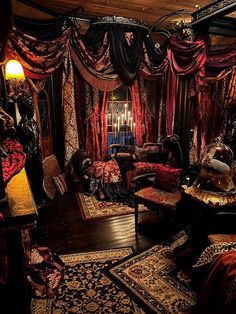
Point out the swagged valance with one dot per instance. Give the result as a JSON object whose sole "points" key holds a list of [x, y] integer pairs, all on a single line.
{"points": [[115, 51], [111, 52]]}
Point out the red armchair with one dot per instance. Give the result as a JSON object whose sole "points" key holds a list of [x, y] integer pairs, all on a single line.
{"points": [[163, 196]]}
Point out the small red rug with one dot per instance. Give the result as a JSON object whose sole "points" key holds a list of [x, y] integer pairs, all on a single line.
{"points": [[92, 208]]}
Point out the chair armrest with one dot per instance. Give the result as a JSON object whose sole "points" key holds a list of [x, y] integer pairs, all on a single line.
{"points": [[115, 147], [144, 179], [152, 144], [144, 176]]}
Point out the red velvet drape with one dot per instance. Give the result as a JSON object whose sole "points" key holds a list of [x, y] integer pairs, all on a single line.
{"points": [[187, 58], [96, 127], [138, 113]]}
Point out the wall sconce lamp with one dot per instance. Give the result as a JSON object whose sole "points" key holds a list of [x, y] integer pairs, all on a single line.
{"points": [[14, 75], [14, 70]]}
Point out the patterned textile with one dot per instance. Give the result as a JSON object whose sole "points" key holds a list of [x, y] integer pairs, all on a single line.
{"points": [[71, 141], [60, 183], [167, 178], [44, 272], [13, 158], [218, 238], [143, 167], [213, 199], [92, 208], [108, 170], [51, 169], [97, 69], [40, 58], [44, 269], [86, 289], [159, 197], [212, 251], [155, 280]]}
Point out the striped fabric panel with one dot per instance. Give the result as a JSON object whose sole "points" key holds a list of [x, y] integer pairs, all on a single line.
{"points": [[60, 183]]}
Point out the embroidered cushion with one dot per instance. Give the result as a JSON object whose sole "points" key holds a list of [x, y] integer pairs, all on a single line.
{"points": [[51, 169], [60, 183], [167, 178]]}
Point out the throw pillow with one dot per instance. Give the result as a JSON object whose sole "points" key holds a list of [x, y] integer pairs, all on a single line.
{"points": [[153, 152], [167, 178], [141, 153], [60, 183]]}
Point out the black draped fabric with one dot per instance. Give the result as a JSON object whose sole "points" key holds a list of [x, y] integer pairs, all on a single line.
{"points": [[41, 29], [126, 57], [93, 39]]}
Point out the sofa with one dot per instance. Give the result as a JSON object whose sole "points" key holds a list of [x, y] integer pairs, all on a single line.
{"points": [[134, 160]]}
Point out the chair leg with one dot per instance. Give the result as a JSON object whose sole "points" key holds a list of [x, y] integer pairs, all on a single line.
{"points": [[136, 216]]}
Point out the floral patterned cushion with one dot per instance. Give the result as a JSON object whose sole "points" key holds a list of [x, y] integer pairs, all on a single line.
{"points": [[159, 197]]}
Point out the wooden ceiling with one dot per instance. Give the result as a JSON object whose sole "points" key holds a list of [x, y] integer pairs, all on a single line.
{"points": [[149, 11]]}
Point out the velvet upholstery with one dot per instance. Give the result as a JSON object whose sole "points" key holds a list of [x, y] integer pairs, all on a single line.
{"points": [[167, 178], [163, 196]]}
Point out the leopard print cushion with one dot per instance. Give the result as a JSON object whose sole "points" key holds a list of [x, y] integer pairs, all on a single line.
{"points": [[212, 251]]}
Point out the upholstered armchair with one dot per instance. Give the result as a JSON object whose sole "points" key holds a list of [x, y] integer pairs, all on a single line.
{"points": [[162, 196]]}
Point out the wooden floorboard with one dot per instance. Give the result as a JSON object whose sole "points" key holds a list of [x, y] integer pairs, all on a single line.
{"points": [[61, 227]]}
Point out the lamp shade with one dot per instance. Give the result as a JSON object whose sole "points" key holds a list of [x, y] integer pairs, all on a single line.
{"points": [[14, 70]]}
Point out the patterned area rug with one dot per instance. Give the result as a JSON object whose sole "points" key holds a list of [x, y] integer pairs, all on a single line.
{"points": [[155, 281], [86, 289], [92, 208]]}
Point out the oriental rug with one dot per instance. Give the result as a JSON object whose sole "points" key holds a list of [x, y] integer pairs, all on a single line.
{"points": [[119, 281], [155, 281], [86, 289], [92, 208]]}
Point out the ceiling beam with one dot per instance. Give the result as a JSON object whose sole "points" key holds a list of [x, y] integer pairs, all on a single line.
{"points": [[225, 26], [211, 11]]}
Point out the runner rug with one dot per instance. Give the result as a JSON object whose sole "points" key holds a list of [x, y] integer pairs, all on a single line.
{"points": [[155, 281], [92, 208], [86, 289]]}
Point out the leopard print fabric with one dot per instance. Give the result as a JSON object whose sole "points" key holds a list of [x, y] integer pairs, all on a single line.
{"points": [[209, 254]]}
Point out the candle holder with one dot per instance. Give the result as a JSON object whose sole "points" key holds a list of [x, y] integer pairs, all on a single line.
{"points": [[125, 135]]}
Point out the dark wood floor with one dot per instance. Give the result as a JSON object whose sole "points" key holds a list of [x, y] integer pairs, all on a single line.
{"points": [[61, 227]]}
